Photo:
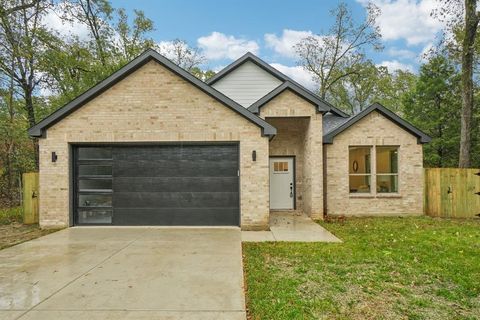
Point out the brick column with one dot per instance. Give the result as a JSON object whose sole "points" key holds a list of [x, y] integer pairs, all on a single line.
{"points": [[313, 168]]}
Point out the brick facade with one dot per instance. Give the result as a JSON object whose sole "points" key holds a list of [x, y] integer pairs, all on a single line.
{"points": [[299, 133], [374, 130], [153, 105]]}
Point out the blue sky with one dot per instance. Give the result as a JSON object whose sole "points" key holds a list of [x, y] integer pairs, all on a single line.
{"points": [[225, 29]]}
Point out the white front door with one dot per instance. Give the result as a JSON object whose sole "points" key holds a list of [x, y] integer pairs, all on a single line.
{"points": [[282, 193]]}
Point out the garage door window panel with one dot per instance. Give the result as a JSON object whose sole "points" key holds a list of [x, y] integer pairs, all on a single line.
{"points": [[95, 153], [94, 216], [95, 200], [94, 185], [89, 170]]}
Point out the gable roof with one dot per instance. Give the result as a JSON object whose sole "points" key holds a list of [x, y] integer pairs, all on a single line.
{"points": [[340, 127], [298, 90], [274, 72], [39, 130]]}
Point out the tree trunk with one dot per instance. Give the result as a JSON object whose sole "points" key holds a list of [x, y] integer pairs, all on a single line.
{"points": [[31, 121], [471, 23], [438, 104]]}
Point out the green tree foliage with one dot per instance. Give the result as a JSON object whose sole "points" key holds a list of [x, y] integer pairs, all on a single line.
{"points": [[356, 91], [42, 69], [462, 20], [392, 87], [434, 105], [369, 84], [203, 75], [132, 39]]}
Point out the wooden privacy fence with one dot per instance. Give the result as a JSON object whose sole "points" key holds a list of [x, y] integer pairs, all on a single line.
{"points": [[30, 197], [452, 192]]}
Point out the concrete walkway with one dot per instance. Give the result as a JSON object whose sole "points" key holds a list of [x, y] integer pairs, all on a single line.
{"points": [[125, 273], [288, 226]]}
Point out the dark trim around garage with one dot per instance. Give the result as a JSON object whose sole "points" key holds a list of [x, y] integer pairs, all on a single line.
{"points": [[73, 158], [71, 185]]}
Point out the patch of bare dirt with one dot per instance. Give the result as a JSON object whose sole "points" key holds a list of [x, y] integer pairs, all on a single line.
{"points": [[15, 233]]}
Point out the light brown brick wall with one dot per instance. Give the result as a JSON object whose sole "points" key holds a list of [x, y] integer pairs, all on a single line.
{"points": [[154, 105], [313, 168], [376, 130], [299, 133]]}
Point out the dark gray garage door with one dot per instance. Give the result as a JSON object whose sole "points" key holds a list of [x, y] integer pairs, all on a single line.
{"points": [[157, 185]]}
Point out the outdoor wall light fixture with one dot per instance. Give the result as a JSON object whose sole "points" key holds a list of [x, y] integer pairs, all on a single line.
{"points": [[254, 155], [54, 157]]}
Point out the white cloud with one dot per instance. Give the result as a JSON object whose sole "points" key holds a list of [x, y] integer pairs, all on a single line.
{"points": [[394, 65], [218, 46], [284, 44], [298, 74], [402, 53], [53, 21], [407, 19]]}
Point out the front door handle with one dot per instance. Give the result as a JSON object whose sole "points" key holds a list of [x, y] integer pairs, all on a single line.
{"points": [[291, 190]]}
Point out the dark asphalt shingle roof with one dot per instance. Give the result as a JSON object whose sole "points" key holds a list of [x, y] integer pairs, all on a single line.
{"points": [[332, 121]]}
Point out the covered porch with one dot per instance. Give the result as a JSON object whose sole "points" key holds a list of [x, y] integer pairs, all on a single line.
{"points": [[295, 166]]}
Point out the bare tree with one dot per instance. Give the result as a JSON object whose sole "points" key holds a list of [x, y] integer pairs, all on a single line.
{"points": [[182, 54], [333, 56], [96, 15]]}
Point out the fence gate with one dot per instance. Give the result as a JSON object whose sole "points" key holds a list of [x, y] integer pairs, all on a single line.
{"points": [[30, 197], [452, 192]]}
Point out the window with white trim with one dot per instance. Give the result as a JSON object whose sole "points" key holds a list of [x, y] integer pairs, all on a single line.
{"points": [[360, 173], [387, 169]]}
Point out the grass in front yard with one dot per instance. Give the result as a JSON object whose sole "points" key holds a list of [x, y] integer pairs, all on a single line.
{"points": [[11, 215], [13, 232], [386, 268]]}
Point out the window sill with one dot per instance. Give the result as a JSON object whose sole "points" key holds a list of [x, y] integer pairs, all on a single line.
{"points": [[378, 195], [362, 196], [389, 195]]}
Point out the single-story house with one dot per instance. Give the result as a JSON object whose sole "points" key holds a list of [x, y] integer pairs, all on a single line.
{"points": [[154, 145]]}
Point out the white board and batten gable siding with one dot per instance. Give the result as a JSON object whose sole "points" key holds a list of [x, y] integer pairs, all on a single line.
{"points": [[247, 84]]}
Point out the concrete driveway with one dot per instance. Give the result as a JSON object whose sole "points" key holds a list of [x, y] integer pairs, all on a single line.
{"points": [[125, 273]]}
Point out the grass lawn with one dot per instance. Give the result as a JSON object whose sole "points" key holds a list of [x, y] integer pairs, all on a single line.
{"points": [[386, 268], [13, 232]]}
